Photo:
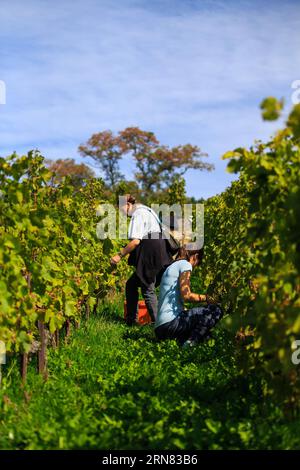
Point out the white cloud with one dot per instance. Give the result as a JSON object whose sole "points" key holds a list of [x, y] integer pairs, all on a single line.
{"points": [[195, 74]]}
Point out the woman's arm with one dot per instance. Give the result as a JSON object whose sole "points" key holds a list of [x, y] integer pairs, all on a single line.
{"points": [[185, 289], [125, 251]]}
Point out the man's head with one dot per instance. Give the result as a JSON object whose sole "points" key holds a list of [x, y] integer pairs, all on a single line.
{"points": [[129, 206]]}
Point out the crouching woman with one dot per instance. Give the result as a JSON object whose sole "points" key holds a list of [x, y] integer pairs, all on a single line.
{"points": [[173, 322]]}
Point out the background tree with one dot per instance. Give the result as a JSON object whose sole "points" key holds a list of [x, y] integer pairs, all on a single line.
{"points": [[157, 165], [176, 195], [126, 187], [177, 191], [104, 148], [293, 122], [77, 172]]}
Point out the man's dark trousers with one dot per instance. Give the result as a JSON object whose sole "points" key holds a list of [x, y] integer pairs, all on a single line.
{"points": [[132, 298]]}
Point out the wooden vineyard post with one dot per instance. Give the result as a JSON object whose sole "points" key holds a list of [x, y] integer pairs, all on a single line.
{"points": [[24, 356], [24, 366], [56, 336], [87, 309], [42, 354], [68, 328]]}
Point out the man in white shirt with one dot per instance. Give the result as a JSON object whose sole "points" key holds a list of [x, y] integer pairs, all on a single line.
{"points": [[149, 256]]}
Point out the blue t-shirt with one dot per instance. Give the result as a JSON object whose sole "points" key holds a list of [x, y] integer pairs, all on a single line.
{"points": [[170, 303]]}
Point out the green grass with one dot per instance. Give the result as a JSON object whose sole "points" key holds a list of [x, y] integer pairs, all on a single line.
{"points": [[112, 387]]}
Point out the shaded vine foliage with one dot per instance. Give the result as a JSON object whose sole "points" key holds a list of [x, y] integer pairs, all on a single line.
{"points": [[51, 262], [252, 249]]}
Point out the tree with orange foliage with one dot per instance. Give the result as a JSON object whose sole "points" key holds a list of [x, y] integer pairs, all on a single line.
{"points": [[105, 149], [68, 167], [157, 165]]}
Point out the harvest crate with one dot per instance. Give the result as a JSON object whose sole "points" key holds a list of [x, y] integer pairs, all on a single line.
{"points": [[143, 315]]}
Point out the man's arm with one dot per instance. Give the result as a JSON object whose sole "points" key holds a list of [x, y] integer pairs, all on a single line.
{"points": [[125, 251]]}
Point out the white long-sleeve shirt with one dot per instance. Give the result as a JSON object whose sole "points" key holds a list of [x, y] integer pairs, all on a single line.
{"points": [[143, 221]]}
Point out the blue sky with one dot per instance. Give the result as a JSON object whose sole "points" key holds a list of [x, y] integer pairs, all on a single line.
{"points": [[191, 71]]}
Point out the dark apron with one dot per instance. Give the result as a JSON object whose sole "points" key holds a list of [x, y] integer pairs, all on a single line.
{"points": [[150, 258]]}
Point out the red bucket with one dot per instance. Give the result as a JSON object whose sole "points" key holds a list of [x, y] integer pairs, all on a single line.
{"points": [[143, 315]]}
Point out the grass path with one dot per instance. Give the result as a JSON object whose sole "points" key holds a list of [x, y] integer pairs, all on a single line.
{"points": [[112, 387]]}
